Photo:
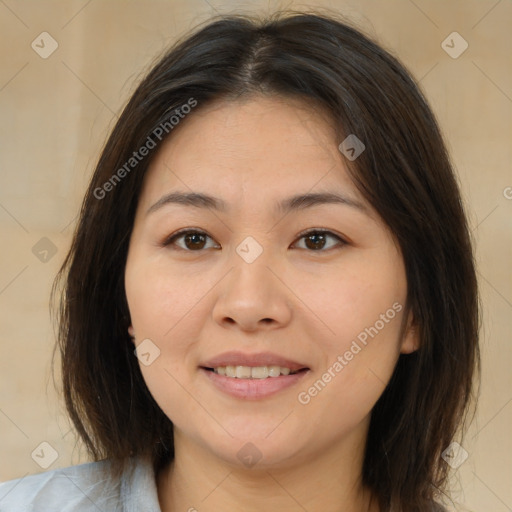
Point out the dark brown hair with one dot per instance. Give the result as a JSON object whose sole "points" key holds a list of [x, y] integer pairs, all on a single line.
{"points": [[404, 172]]}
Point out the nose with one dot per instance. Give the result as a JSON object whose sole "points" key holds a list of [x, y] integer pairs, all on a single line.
{"points": [[252, 297]]}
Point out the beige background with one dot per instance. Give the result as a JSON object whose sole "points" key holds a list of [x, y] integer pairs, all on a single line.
{"points": [[56, 113]]}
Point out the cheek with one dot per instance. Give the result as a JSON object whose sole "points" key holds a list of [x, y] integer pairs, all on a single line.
{"points": [[357, 368], [165, 307], [159, 296], [362, 308], [364, 295], [158, 310]]}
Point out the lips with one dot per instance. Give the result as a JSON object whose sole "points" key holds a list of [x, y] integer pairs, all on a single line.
{"points": [[236, 358]]}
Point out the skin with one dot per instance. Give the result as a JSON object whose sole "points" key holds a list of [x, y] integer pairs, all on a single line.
{"points": [[305, 304]]}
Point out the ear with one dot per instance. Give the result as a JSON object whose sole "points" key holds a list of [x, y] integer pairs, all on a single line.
{"points": [[131, 332], [410, 339]]}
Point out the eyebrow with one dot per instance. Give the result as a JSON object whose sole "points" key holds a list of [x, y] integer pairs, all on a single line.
{"points": [[294, 203]]}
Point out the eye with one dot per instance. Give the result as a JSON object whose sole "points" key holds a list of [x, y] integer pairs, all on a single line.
{"points": [[195, 240], [316, 239]]}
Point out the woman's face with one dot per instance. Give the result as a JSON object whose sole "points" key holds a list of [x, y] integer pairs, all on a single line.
{"points": [[252, 281]]}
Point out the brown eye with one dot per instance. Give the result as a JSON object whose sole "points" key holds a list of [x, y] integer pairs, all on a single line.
{"points": [[316, 240], [192, 240]]}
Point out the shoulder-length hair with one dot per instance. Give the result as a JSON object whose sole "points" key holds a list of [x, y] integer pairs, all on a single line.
{"points": [[404, 173]]}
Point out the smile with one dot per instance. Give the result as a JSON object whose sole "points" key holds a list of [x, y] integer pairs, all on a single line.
{"points": [[241, 385], [253, 372]]}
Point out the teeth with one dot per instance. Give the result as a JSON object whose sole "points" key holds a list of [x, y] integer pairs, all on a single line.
{"points": [[249, 372], [242, 372]]}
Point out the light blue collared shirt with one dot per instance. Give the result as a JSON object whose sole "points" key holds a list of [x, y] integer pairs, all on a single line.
{"points": [[83, 488], [89, 488]]}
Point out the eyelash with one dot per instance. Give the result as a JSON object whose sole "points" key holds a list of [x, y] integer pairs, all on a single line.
{"points": [[170, 240]]}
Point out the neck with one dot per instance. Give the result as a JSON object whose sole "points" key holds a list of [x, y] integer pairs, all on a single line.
{"points": [[196, 480]]}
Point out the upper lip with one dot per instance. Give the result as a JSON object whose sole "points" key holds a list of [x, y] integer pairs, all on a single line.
{"points": [[235, 358]]}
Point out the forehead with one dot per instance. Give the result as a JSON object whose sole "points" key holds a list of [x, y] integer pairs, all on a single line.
{"points": [[258, 145]]}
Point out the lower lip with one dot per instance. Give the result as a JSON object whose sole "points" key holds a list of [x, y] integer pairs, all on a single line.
{"points": [[253, 389]]}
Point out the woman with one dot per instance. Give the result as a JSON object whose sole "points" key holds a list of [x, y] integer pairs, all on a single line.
{"points": [[270, 300]]}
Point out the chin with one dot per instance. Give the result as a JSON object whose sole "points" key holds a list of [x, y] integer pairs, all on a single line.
{"points": [[257, 451]]}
